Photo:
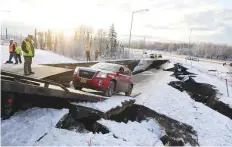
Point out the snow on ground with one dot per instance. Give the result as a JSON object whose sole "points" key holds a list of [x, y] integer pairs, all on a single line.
{"points": [[143, 65], [212, 127], [104, 106], [205, 65], [61, 137], [135, 54], [41, 57], [222, 72], [204, 76], [220, 85], [130, 134], [146, 133], [24, 128], [168, 66], [226, 100], [49, 57]]}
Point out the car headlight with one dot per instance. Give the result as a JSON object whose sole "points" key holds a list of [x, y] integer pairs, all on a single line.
{"points": [[101, 75], [76, 71]]}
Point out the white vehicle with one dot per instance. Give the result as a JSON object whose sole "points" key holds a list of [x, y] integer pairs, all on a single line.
{"points": [[153, 56], [145, 55], [192, 58], [159, 55]]}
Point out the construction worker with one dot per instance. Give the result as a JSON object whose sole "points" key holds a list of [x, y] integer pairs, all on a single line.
{"points": [[87, 54], [11, 51], [28, 54], [96, 54], [18, 53], [87, 51]]}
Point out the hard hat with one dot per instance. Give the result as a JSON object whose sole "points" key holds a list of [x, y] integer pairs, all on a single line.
{"points": [[30, 35], [11, 39]]}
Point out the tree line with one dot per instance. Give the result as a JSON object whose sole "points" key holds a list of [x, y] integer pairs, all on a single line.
{"points": [[201, 49], [105, 42]]}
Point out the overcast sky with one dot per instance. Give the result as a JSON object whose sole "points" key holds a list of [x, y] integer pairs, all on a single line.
{"points": [[166, 20]]}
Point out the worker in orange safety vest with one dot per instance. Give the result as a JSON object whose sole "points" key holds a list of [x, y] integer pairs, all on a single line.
{"points": [[12, 51]]}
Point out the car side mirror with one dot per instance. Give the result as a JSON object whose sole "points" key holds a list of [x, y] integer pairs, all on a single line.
{"points": [[119, 72]]}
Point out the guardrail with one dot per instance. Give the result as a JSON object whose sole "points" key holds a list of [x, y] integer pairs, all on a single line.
{"points": [[28, 80]]}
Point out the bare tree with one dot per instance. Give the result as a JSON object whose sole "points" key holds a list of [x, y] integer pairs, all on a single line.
{"points": [[41, 39]]}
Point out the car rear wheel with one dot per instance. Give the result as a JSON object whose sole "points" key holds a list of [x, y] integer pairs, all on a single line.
{"points": [[128, 93], [78, 88], [110, 91], [72, 84]]}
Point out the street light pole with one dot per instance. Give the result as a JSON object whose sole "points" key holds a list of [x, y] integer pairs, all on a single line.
{"points": [[132, 17], [189, 44], [144, 42], [190, 37], [130, 31]]}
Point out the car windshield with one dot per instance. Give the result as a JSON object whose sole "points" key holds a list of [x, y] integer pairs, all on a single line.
{"points": [[107, 67]]}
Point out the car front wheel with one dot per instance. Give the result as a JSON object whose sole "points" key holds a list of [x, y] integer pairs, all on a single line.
{"points": [[128, 93], [110, 91], [77, 87]]}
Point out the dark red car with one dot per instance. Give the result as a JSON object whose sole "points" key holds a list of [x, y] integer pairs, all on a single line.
{"points": [[106, 77]]}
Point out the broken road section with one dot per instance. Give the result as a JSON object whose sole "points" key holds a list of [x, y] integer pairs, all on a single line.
{"points": [[144, 133], [26, 127], [212, 127], [102, 109]]}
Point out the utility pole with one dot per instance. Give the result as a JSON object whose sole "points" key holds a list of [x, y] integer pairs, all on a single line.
{"points": [[227, 88], [45, 39], [6, 34], [14, 34], [1, 32], [132, 17], [21, 37], [144, 42], [189, 44], [130, 31], [35, 39]]}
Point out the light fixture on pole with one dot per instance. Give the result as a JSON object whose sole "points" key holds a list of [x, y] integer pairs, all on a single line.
{"points": [[132, 24]]}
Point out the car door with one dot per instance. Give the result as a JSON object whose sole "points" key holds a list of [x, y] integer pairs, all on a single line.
{"points": [[124, 78], [127, 76], [119, 86], [120, 82]]}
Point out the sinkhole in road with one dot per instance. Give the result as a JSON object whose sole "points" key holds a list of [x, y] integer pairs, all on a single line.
{"points": [[200, 92], [204, 93], [81, 125], [176, 133]]}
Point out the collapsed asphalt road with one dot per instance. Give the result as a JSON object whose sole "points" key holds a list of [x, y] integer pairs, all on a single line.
{"points": [[137, 113], [200, 92], [176, 133]]}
